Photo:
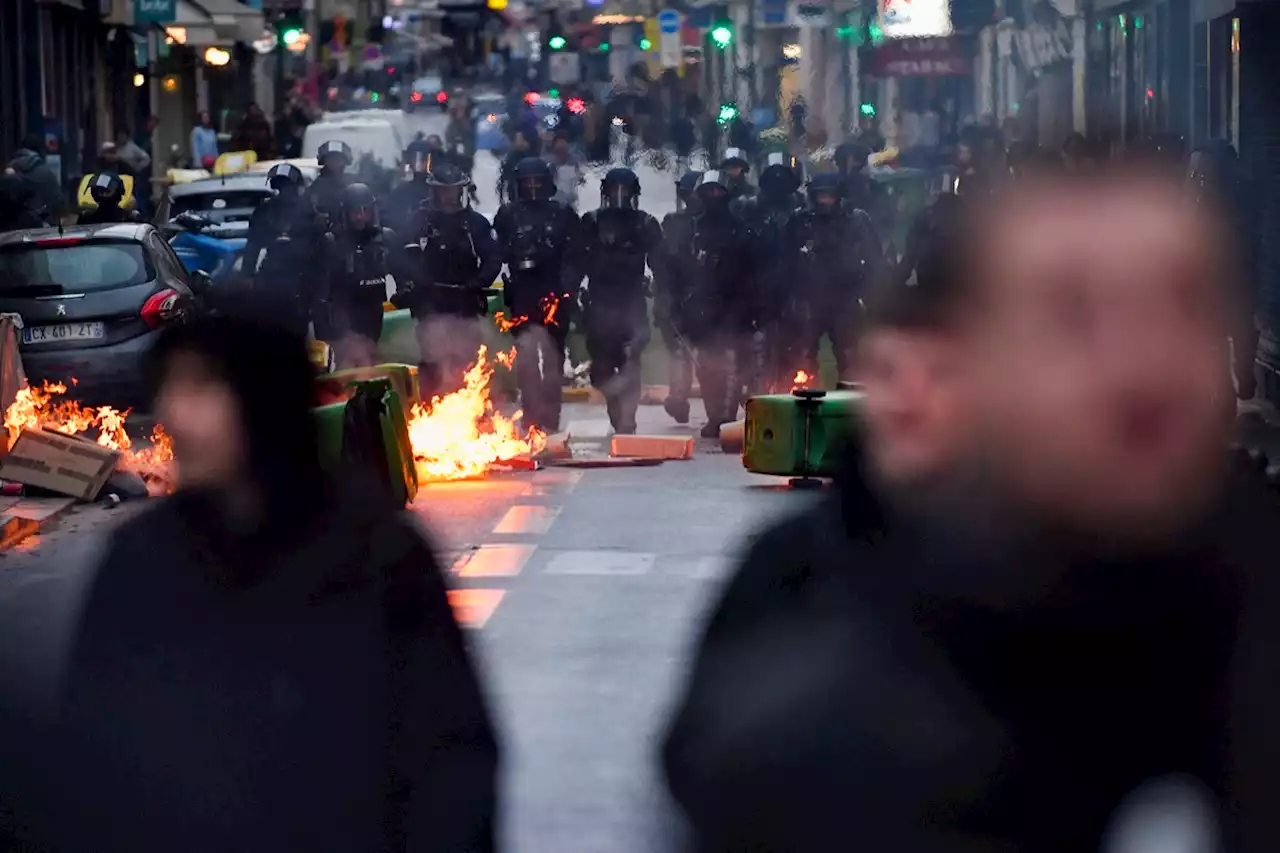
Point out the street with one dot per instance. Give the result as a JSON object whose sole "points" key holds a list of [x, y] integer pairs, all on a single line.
{"points": [[582, 589]]}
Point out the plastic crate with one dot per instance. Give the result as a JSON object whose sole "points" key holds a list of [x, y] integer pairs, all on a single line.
{"points": [[336, 386]]}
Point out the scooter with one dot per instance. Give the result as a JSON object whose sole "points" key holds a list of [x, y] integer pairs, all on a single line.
{"points": [[200, 248]]}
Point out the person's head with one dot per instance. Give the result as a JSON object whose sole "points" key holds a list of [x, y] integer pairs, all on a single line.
{"points": [[151, 124], [560, 149], [448, 188], [533, 180], [334, 157], [780, 178], [620, 189], [33, 142], [915, 429], [965, 157], [826, 194], [254, 111], [735, 164], [122, 138], [713, 194], [286, 179], [359, 209], [852, 157], [435, 143], [1091, 337], [686, 191], [205, 118], [1075, 148], [235, 395], [519, 142], [107, 190]]}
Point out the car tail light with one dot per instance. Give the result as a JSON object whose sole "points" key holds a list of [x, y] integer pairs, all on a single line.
{"points": [[577, 106], [160, 308], [415, 97], [531, 98], [441, 97], [58, 242]]}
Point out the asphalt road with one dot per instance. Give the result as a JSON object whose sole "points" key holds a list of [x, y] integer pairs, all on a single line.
{"points": [[581, 588]]}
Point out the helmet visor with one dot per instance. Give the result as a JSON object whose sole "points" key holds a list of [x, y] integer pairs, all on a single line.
{"points": [[448, 198], [532, 188]]}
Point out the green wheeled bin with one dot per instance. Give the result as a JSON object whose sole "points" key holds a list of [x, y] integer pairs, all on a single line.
{"points": [[336, 386], [799, 434], [370, 431], [399, 341]]}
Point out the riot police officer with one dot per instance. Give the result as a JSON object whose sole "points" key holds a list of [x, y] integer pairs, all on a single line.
{"points": [[718, 253], [403, 203], [921, 254], [671, 267], [281, 242], [861, 192], [325, 195], [451, 260], [351, 304], [537, 235], [838, 254], [107, 191], [768, 293], [615, 242], [276, 216], [734, 168]]}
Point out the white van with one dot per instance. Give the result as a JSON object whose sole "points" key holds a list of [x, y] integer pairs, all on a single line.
{"points": [[393, 117], [377, 139]]}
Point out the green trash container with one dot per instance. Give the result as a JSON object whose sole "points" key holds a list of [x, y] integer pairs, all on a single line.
{"points": [[798, 434], [370, 429], [404, 379], [399, 341]]}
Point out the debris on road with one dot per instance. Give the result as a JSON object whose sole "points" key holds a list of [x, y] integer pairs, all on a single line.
{"points": [[59, 462], [731, 436], [618, 462], [652, 446]]}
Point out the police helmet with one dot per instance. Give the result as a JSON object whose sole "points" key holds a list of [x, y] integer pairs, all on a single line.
{"points": [[620, 188], [335, 148], [852, 157], [780, 175], [281, 176], [106, 189], [685, 189], [448, 186], [533, 180], [735, 158], [713, 190], [826, 193], [359, 207]]}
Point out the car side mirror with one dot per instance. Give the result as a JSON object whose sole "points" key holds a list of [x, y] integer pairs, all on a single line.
{"points": [[201, 282]]}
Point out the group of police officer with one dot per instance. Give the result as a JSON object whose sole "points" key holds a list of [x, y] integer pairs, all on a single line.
{"points": [[745, 280]]}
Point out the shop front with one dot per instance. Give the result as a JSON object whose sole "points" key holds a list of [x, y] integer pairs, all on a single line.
{"points": [[1139, 71]]}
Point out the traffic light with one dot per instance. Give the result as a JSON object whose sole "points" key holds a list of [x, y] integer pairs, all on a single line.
{"points": [[645, 44], [289, 29], [556, 42], [722, 36], [868, 110], [728, 112], [605, 47]]}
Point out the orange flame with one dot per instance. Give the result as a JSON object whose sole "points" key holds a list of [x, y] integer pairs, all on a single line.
{"points": [[36, 408], [549, 304], [506, 324], [460, 435], [801, 380]]}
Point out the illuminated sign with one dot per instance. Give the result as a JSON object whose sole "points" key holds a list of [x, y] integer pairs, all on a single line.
{"points": [[902, 19], [606, 20]]}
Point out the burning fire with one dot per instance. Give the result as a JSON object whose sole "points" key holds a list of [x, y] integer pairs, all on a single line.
{"points": [[550, 305], [460, 435], [34, 408], [801, 380]]}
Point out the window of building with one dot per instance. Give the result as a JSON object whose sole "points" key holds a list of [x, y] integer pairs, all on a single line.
{"points": [[1235, 83]]}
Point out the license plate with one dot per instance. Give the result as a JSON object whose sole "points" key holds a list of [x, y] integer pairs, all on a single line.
{"points": [[64, 332]]}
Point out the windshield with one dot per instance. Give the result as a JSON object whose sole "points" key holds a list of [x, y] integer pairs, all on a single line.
{"points": [[77, 268], [428, 84], [217, 202], [377, 141]]}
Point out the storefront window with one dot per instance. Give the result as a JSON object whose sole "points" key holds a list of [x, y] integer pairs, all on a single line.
{"points": [[1235, 83]]}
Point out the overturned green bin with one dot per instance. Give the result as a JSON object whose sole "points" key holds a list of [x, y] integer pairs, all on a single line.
{"points": [[800, 434], [337, 385], [370, 430]]}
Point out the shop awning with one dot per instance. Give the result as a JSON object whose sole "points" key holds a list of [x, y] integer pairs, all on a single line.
{"points": [[232, 21]]}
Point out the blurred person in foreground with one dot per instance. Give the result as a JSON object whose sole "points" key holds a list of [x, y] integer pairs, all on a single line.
{"points": [[294, 679], [1080, 613]]}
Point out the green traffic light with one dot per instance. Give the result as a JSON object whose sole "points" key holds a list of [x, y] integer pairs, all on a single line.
{"points": [[728, 112], [645, 44], [556, 43], [867, 109], [553, 93], [722, 36], [291, 36], [605, 46]]}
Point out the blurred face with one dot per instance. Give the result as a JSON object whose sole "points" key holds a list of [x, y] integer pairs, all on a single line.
{"points": [[531, 188], [561, 149], [434, 143], [206, 119], [964, 155], [448, 199], [825, 201], [202, 414], [520, 143], [1097, 354], [734, 171], [914, 429], [110, 155], [333, 163], [360, 218]]}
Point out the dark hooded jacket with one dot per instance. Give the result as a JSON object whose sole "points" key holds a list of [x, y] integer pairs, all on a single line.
{"points": [[16, 211], [935, 688], [303, 686], [46, 193]]}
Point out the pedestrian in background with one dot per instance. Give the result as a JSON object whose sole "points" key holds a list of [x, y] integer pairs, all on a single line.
{"points": [[44, 195], [204, 142], [267, 660]]}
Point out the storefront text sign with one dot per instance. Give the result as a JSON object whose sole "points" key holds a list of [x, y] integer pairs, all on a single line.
{"points": [[937, 57], [155, 11], [900, 19]]}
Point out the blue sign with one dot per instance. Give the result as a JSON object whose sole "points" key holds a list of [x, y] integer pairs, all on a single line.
{"points": [[154, 11], [774, 12], [668, 21]]}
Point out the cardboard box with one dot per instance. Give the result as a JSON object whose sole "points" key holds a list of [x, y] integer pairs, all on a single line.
{"points": [[60, 463], [652, 446]]}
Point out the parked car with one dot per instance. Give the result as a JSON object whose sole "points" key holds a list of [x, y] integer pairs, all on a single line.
{"points": [[228, 201], [93, 300], [427, 91]]}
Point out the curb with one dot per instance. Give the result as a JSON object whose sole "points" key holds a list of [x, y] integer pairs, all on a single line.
{"points": [[27, 516], [650, 395]]}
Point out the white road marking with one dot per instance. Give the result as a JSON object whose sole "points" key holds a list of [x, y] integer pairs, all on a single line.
{"points": [[528, 520], [600, 563], [497, 560]]}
